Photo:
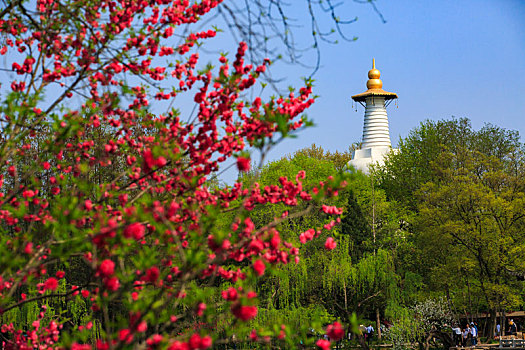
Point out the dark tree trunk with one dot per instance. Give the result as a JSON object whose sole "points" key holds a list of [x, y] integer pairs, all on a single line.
{"points": [[503, 323], [492, 323], [378, 324], [362, 342], [427, 341], [445, 337]]}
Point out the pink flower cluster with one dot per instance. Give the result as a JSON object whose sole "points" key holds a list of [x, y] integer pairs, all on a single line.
{"points": [[94, 174]]}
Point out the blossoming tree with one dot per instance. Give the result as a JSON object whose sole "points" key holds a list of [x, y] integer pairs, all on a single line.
{"points": [[112, 231]]}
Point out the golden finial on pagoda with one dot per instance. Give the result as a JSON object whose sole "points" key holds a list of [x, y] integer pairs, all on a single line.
{"points": [[373, 77], [374, 85]]}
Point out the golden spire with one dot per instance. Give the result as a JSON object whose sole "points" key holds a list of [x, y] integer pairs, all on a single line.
{"points": [[373, 77], [375, 86]]}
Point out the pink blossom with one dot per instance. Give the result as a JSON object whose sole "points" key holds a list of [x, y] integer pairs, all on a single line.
{"points": [[51, 284], [243, 164], [244, 313], [330, 243], [112, 284], [135, 230], [259, 267], [335, 331], [323, 344], [107, 268]]}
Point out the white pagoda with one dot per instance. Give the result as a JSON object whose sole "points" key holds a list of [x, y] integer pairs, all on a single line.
{"points": [[376, 135]]}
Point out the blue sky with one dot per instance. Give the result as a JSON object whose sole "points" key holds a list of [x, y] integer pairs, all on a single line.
{"points": [[443, 58], [463, 58]]}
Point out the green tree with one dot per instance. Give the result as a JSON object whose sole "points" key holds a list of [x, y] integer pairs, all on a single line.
{"points": [[471, 227], [451, 180], [338, 159], [406, 170], [356, 226]]}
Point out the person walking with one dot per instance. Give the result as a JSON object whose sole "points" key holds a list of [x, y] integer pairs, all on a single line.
{"points": [[370, 333]]}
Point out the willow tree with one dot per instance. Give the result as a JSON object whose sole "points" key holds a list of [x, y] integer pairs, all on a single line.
{"points": [[358, 276], [293, 289]]}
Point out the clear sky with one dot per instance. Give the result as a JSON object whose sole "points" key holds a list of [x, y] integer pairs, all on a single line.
{"points": [[443, 58]]}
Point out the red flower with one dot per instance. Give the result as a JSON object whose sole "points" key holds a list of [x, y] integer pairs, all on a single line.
{"points": [[195, 341], [60, 274], [152, 274], [142, 327], [333, 210], [230, 294], [335, 331], [244, 313], [126, 336], [28, 193], [200, 309], [107, 268], [323, 344], [51, 284], [177, 345], [259, 267], [330, 243], [275, 241], [112, 284], [205, 342], [161, 161], [88, 204], [29, 248], [135, 230], [243, 164], [149, 160], [154, 339], [168, 32]]}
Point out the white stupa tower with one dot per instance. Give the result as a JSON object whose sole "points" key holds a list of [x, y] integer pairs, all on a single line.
{"points": [[376, 135]]}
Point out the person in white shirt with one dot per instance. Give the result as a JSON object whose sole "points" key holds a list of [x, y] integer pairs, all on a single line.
{"points": [[474, 334], [456, 335], [466, 333]]}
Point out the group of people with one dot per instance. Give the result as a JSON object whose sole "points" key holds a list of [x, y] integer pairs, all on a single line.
{"points": [[468, 336]]}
